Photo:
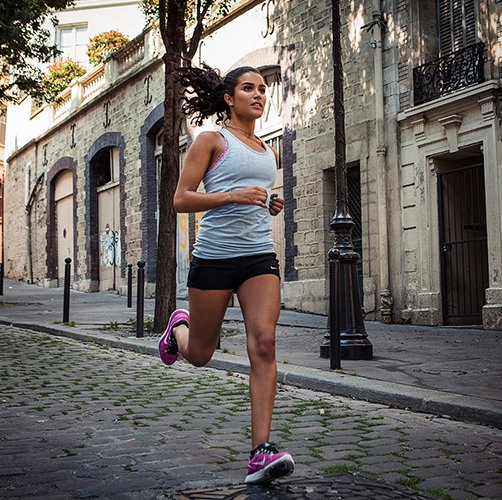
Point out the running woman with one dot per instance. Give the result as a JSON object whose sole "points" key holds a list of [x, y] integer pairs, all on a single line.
{"points": [[234, 251]]}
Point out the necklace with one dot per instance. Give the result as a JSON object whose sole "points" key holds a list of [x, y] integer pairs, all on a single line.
{"points": [[249, 135]]}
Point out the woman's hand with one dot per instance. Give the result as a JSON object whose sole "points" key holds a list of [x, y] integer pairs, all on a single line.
{"points": [[275, 205], [250, 196]]}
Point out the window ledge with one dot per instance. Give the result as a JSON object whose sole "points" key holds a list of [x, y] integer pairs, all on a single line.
{"points": [[447, 100]]}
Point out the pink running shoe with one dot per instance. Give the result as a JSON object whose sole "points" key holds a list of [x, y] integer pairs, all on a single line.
{"points": [[168, 348], [266, 464]]}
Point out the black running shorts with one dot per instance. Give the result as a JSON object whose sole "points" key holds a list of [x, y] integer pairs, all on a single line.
{"points": [[230, 274]]}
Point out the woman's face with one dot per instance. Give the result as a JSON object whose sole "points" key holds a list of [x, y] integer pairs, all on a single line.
{"points": [[248, 101]]}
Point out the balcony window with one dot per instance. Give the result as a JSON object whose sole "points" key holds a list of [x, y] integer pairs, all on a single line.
{"points": [[461, 58], [447, 74]]}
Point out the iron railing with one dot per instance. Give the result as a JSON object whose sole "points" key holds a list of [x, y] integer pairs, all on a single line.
{"points": [[455, 71]]}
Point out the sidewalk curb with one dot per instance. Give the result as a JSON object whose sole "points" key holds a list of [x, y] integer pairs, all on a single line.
{"points": [[456, 406]]}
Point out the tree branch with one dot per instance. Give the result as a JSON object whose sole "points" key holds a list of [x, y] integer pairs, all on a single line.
{"points": [[163, 22], [199, 28]]}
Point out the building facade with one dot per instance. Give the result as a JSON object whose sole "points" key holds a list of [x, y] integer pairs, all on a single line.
{"points": [[422, 105]]}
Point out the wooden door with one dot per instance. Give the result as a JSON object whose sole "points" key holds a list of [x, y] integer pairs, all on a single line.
{"points": [[109, 237], [64, 220]]}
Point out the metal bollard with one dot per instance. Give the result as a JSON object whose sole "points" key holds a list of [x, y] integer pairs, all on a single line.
{"points": [[334, 311], [1, 278], [66, 297], [140, 304], [129, 285]]}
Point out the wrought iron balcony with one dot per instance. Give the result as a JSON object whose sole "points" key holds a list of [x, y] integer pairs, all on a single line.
{"points": [[455, 71]]}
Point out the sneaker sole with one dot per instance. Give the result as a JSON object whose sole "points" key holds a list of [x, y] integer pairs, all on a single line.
{"points": [[282, 467]]}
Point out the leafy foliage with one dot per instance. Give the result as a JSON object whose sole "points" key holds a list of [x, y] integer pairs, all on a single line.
{"points": [[210, 9], [60, 75], [104, 44], [22, 41], [150, 9]]}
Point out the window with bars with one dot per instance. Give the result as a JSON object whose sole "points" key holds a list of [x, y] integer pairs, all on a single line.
{"points": [[457, 25], [461, 61]]}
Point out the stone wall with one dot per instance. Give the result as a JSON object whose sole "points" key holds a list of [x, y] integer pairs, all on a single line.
{"points": [[114, 118]]}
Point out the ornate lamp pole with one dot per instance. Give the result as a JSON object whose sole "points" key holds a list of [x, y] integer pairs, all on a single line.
{"points": [[345, 313]]}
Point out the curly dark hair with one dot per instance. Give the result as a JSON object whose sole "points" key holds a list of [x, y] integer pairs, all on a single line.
{"points": [[207, 88]]}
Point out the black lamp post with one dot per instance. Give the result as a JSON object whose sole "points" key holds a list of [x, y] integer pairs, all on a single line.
{"points": [[345, 312]]}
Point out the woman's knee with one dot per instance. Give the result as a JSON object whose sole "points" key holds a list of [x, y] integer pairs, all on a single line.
{"points": [[199, 358], [261, 346]]}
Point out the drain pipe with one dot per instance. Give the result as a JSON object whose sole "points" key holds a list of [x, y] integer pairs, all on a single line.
{"points": [[27, 209], [386, 300]]}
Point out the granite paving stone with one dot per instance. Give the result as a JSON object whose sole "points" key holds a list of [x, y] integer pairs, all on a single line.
{"points": [[112, 423]]}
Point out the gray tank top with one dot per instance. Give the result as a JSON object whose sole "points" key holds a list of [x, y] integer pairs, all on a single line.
{"points": [[237, 230]]}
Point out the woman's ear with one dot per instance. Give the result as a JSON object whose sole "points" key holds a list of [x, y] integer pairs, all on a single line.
{"points": [[229, 100]]}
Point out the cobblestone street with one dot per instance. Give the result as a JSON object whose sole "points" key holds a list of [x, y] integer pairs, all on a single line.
{"points": [[80, 420]]}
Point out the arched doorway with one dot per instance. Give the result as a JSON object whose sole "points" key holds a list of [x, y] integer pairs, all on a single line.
{"points": [[105, 212], [61, 220], [106, 165]]}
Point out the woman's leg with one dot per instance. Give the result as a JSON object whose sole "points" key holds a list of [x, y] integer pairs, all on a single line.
{"points": [[207, 310], [259, 298]]}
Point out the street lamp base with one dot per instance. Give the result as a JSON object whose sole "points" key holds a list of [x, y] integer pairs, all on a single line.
{"points": [[351, 352], [354, 345], [359, 351]]}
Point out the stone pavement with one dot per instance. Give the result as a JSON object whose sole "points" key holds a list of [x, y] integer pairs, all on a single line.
{"points": [[439, 370], [80, 420]]}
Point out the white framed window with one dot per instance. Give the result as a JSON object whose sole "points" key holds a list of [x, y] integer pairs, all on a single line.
{"points": [[72, 41]]}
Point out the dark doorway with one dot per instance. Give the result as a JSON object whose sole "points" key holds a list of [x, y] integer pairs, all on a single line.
{"points": [[463, 244]]}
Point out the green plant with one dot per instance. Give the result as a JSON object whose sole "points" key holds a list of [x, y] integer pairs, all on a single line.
{"points": [[111, 325], [104, 44], [150, 9], [59, 77], [148, 324]]}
